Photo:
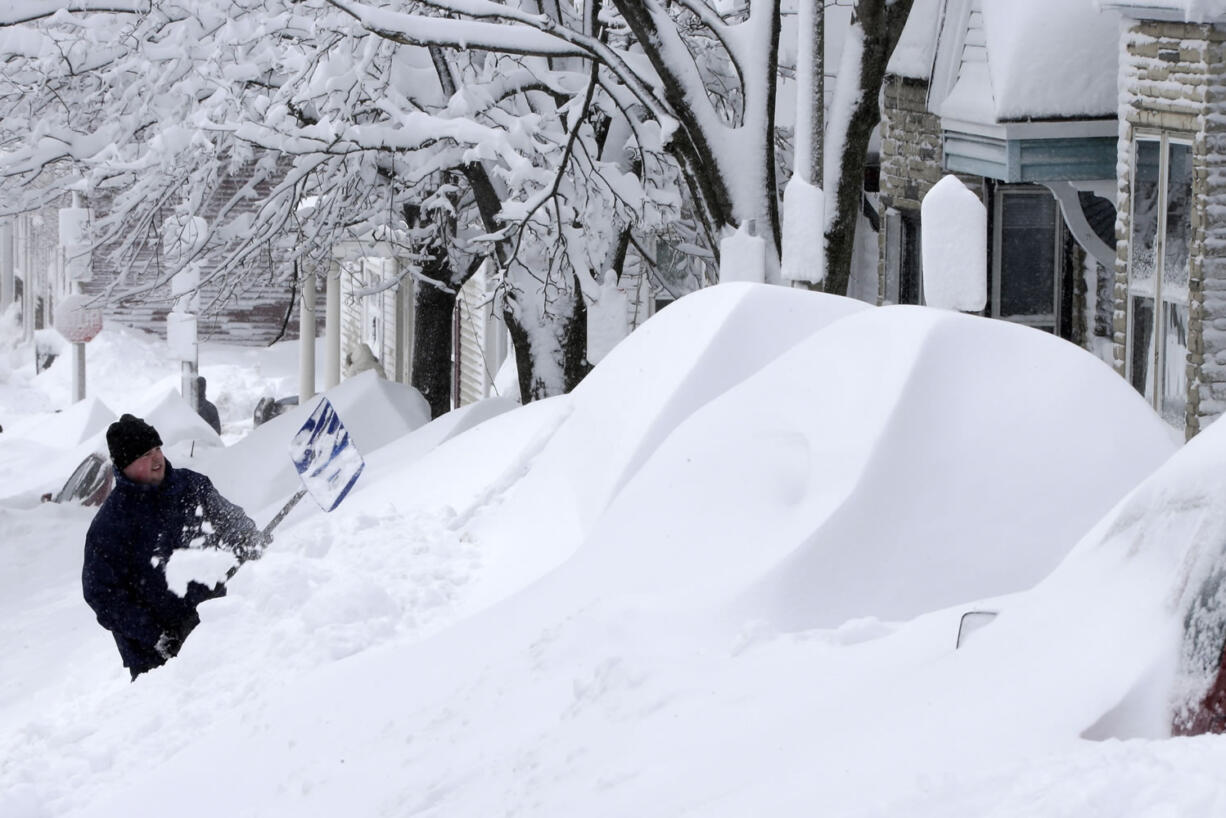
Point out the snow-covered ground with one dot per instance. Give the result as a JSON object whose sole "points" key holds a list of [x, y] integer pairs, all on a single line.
{"points": [[724, 577]]}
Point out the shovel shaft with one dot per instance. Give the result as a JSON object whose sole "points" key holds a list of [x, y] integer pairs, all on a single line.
{"points": [[285, 509], [275, 521]]}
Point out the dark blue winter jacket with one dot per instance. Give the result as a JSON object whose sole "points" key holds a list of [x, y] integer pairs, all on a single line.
{"points": [[128, 546]]}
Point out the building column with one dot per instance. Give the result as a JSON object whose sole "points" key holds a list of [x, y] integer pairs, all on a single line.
{"points": [[7, 290], [332, 327], [306, 339]]}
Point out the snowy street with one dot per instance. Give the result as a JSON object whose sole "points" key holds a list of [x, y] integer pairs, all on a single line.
{"points": [[612, 409], [646, 604]]}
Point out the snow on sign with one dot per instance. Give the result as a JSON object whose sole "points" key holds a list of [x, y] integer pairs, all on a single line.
{"points": [[325, 457], [76, 320]]}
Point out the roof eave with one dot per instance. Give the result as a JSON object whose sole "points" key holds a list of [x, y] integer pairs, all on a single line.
{"points": [[1036, 129], [1145, 11]]}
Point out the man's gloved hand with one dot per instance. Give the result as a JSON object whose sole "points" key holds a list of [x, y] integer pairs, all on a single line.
{"points": [[253, 549], [168, 645]]}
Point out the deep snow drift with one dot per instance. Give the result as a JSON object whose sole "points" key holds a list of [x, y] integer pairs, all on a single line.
{"points": [[721, 578]]}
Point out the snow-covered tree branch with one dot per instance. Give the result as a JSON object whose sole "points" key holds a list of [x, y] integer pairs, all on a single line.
{"points": [[548, 139]]}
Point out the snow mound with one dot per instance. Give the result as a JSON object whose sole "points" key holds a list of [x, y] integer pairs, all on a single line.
{"points": [[683, 357], [444, 428], [604, 603], [1137, 595], [177, 423], [68, 428], [966, 467]]}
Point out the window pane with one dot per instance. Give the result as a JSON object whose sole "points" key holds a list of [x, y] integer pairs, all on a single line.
{"points": [[1141, 360], [1142, 267], [1174, 362], [1178, 220], [1028, 256]]}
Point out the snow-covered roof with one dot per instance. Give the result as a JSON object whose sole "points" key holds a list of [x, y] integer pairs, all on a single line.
{"points": [[1001, 60], [916, 47]]}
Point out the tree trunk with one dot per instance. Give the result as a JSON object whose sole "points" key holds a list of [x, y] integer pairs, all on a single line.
{"points": [[575, 365], [882, 22], [434, 309], [551, 358]]}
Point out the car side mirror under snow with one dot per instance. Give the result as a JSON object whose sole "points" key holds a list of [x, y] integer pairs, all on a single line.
{"points": [[970, 622]]}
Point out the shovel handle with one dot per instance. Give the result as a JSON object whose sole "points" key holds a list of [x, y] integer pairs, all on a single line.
{"points": [[275, 521], [285, 509]]}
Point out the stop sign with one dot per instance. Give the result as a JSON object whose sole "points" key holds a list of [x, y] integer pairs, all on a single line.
{"points": [[76, 320]]}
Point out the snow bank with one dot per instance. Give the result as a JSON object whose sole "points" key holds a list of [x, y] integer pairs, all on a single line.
{"points": [[888, 495], [635, 599], [75, 424], [438, 431], [177, 423], [683, 357]]}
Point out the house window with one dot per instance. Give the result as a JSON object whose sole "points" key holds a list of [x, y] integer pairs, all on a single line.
{"points": [[1158, 274], [1027, 254]]}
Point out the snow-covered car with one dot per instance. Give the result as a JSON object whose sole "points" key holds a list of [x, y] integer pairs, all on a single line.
{"points": [[89, 484]]}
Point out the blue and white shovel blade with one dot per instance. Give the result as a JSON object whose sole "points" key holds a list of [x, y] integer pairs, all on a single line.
{"points": [[325, 457]]}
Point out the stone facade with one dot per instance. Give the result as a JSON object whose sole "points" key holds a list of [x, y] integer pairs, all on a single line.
{"points": [[910, 144], [1172, 83], [910, 156]]}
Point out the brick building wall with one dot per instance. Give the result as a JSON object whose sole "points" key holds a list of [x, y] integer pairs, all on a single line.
{"points": [[1172, 82], [910, 144]]}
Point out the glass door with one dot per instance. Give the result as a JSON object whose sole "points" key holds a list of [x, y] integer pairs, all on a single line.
{"points": [[1158, 274]]}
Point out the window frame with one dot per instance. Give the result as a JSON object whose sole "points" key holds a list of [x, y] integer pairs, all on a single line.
{"points": [[998, 230], [1158, 363], [904, 265]]}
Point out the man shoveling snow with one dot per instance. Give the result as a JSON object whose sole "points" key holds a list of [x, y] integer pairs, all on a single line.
{"points": [[154, 511]]}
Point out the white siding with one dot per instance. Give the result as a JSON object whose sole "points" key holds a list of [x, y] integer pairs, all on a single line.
{"points": [[477, 347]]}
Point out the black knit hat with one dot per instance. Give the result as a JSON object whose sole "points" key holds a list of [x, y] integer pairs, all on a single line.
{"points": [[128, 438]]}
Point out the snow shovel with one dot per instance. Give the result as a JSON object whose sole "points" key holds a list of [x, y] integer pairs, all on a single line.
{"points": [[326, 460]]}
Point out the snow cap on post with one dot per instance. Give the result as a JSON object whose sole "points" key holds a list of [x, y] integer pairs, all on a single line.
{"points": [[75, 243], [954, 242], [804, 219], [181, 336], [742, 256]]}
